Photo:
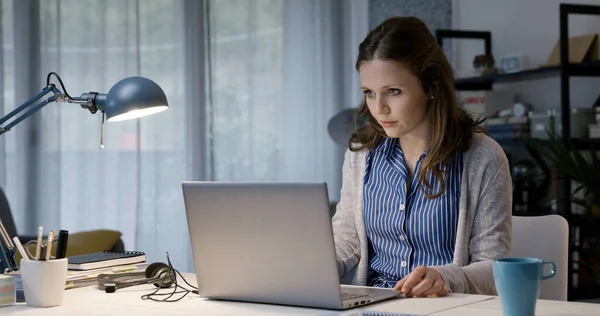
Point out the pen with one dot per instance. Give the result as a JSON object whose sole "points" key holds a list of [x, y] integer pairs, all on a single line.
{"points": [[20, 248], [61, 246], [42, 252], [38, 247], [49, 245]]}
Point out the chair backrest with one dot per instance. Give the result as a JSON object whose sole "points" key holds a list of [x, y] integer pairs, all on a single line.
{"points": [[545, 237]]}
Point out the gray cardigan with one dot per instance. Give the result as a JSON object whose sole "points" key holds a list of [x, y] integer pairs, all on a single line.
{"points": [[484, 220]]}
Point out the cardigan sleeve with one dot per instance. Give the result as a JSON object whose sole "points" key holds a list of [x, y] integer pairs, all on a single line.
{"points": [[490, 237], [347, 244]]}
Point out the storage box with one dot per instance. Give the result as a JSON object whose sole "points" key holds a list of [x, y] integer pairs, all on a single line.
{"points": [[581, 119], [581, 48], [594, 131], [486, 103], [507, 132], [541, 123]]}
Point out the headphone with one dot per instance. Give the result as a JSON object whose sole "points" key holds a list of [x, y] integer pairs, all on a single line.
{"points": [[158, 273]]}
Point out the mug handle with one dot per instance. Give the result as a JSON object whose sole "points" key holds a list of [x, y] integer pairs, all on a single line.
{"points": [[552, 270]]}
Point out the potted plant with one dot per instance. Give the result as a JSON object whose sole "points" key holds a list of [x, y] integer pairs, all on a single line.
{"points": [[584, 168]]}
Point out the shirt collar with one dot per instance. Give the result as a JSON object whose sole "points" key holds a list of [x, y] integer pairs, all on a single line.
{"points": [[426, 151], [387, 144]]}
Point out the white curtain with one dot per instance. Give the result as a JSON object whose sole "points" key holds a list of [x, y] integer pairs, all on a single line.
{"points": [[251, 85], [279, 70], [7, 71], [133, 185]]}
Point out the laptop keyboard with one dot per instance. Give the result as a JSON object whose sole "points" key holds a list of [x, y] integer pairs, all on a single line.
{"points": [[351, 296]]}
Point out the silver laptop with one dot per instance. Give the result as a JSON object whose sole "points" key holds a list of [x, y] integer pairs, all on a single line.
{"points": [[268, 243]]}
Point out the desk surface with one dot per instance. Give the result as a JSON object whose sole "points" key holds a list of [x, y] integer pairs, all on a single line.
{"points": [[91, 301]]}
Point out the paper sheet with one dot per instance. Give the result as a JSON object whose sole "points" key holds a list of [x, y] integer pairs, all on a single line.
{"points": [[425, 306]]}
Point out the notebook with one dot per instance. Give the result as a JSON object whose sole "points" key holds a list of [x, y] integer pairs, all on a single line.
{"points": [[105, 259]]}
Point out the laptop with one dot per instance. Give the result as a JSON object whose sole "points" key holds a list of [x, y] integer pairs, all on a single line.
{"points": [[268, 243]]}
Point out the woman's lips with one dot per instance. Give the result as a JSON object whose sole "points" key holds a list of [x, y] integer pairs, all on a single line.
{"points": [[388, 123]]}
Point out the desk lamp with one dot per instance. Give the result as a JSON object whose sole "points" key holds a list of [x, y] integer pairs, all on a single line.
{"points": [[129, 98]]}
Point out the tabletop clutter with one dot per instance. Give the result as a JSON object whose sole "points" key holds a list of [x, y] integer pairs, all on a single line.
{"points": [[43, 277]]}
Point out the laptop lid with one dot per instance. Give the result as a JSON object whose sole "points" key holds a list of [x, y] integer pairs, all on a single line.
{"points": [[263, 242]]}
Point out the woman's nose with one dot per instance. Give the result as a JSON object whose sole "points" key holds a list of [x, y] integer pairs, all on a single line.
{"points": [[381, 106]]}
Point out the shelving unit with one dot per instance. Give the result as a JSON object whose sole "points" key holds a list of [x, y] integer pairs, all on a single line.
{"points": [[586, 69], [563, 71]]}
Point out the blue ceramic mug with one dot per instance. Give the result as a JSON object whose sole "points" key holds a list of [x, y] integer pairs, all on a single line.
{"points": [[518, 283]]}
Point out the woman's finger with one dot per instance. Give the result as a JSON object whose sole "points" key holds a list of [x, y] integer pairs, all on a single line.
{"points": [[399, 284], [426, 283], [444, 290], [435, 289], [413, 279]]}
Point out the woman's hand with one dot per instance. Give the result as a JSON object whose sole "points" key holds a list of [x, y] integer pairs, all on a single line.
{"points": [[422, 282]]}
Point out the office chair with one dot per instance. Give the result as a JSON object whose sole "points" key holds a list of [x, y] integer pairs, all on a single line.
{"points": [[11, 229], [545, 237]]}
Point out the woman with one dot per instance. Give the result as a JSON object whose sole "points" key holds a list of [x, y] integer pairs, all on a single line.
{"points": [[426, 198]]}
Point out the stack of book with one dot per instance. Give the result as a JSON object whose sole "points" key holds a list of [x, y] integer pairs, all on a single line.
{"points": [[105, 259], [8, 290], [84, 269], [76, 279]]}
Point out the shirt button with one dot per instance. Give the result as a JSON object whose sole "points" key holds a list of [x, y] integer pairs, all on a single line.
{"points": [[401, 237], [402, 207], [403, 264]]}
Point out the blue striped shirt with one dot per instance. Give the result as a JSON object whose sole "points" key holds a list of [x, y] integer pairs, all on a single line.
{"points": [[404, 228]]}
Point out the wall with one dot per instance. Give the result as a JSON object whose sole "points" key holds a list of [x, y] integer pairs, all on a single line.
{"points": [[530, 27], [436, 14]]}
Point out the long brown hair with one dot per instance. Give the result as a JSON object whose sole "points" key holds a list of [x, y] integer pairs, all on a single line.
{"points": [[408, 40]]}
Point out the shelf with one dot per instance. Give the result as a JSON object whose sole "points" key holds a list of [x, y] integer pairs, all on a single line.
{"points": [[587, 143], [585, 69], [579, 143], [581, 288]]}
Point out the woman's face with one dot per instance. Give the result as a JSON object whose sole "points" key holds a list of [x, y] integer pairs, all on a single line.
{"points": [[394, 96]]}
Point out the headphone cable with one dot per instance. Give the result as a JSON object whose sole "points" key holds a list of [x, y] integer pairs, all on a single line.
{"points": [[173, 275]]}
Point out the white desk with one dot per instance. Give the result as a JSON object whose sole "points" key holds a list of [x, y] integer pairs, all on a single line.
{"points": [[90, 301], [544, 307]]}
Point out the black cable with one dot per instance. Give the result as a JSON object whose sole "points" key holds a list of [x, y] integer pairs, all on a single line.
{"points": [[173, 275], [176, 271], [60, 81]]}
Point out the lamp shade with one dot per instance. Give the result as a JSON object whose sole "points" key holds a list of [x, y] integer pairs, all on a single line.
{"points": [[134, 97], [341, 126]]}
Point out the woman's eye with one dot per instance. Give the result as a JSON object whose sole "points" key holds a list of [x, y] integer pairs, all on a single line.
{"points": [[394, 91], [368, 93]]}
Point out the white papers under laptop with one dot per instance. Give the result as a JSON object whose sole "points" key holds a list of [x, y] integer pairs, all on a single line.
{"points": [[268, 243]]}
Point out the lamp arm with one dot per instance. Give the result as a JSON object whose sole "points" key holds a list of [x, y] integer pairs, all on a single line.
{"points": [[57, 96]]}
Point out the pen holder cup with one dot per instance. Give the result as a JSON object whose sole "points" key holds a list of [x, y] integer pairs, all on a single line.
{"points": [[44, 281]]}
